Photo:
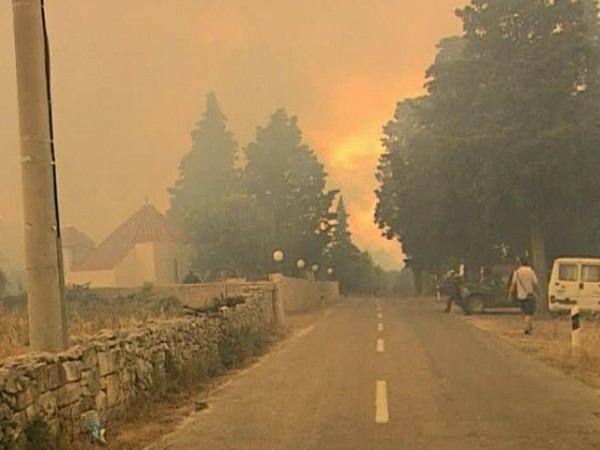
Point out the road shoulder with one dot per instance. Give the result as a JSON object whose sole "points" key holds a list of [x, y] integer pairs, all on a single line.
{"points": [[550, 341]]}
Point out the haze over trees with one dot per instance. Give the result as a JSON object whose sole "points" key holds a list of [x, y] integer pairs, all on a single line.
{"points": [[356, 271], [502, 151], [236, 218], [288, 183], [207, 172]]}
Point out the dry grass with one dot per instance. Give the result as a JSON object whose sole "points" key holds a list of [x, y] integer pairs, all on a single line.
{"points": [[13, 332], [87, 316], [551, 342]]}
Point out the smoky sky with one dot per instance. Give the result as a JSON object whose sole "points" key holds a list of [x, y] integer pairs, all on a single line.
{"points": [[130, 78]]}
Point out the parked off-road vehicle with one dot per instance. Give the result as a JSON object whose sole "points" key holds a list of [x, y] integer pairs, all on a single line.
{"points": [[493, 293]]}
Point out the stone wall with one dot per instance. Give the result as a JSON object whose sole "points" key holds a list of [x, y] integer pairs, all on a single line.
{"points": [[296, 294], [106, 374], [195, 295]]}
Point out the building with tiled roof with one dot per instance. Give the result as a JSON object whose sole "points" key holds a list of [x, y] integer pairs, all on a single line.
{"points": [[76, 246], [147, 247]]}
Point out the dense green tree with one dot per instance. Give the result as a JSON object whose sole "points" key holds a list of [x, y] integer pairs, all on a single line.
{"points": [[226, 238], [207, 173], [342, 254], [505, 141], [408, 207], [527, 114], [288, 183], [424, 196]]}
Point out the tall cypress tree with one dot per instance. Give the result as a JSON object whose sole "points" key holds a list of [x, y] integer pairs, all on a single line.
{"points": [[288, 182], [354, 269], [207, 172], [341, 232]]}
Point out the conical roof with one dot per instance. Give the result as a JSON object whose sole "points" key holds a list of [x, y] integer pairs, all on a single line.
{"points": [[72, 237], [146, 225]]}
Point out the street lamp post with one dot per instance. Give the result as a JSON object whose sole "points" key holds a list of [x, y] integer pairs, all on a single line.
{"points": [[278, 290], [314, 270], [300, 265], [278, 258]]}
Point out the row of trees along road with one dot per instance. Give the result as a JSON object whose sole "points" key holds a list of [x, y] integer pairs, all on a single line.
{"points": [[502, 152], [238, 207]]}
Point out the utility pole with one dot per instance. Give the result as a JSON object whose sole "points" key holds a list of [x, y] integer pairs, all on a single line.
{"points": [[43, 255]]}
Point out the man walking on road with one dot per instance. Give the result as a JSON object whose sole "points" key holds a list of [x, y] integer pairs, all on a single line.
{"points": [[524, 285]]}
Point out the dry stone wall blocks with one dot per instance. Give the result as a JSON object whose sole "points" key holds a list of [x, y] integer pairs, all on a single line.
{"points": [[110, 371]]}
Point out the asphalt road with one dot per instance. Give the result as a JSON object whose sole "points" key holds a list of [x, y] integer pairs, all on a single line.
{"points": [[405, 377]]}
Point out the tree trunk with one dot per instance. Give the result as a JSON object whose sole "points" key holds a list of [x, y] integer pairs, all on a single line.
{"points": [[418, 277], [538, 253]]}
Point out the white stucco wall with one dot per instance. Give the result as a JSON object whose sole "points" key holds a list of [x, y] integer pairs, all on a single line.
{"points": [[157, 263], [137, 267], [171, 262]]}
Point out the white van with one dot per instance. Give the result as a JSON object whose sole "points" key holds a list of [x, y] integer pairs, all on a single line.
{"points": [[575, 281]]}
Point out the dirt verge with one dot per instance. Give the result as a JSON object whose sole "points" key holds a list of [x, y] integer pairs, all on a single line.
{"points": [[550, 341]]}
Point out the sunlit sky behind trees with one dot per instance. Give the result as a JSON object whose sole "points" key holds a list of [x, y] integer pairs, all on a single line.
{"points": [[130, 79]]}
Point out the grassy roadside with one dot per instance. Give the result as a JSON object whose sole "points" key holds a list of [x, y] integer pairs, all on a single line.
{"points": [[550, 341]]}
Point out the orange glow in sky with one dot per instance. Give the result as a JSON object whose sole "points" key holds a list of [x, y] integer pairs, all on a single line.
{"points": [[130, 77]]}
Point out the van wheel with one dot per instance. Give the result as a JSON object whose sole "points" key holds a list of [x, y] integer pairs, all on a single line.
{"points": [[476, 304]]}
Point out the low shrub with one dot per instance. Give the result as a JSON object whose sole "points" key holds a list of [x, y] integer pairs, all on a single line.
{"points": [[236, 344]]}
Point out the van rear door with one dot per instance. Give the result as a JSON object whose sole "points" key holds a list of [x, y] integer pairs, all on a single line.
{"points": [[566, 284], [590, 286]]}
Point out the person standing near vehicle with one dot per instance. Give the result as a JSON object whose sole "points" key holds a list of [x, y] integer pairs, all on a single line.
{"points": [[454, 294], [524, 287]]}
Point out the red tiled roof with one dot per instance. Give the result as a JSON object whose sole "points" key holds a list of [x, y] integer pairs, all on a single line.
{"points": [[72, 237], [146, 225]]}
